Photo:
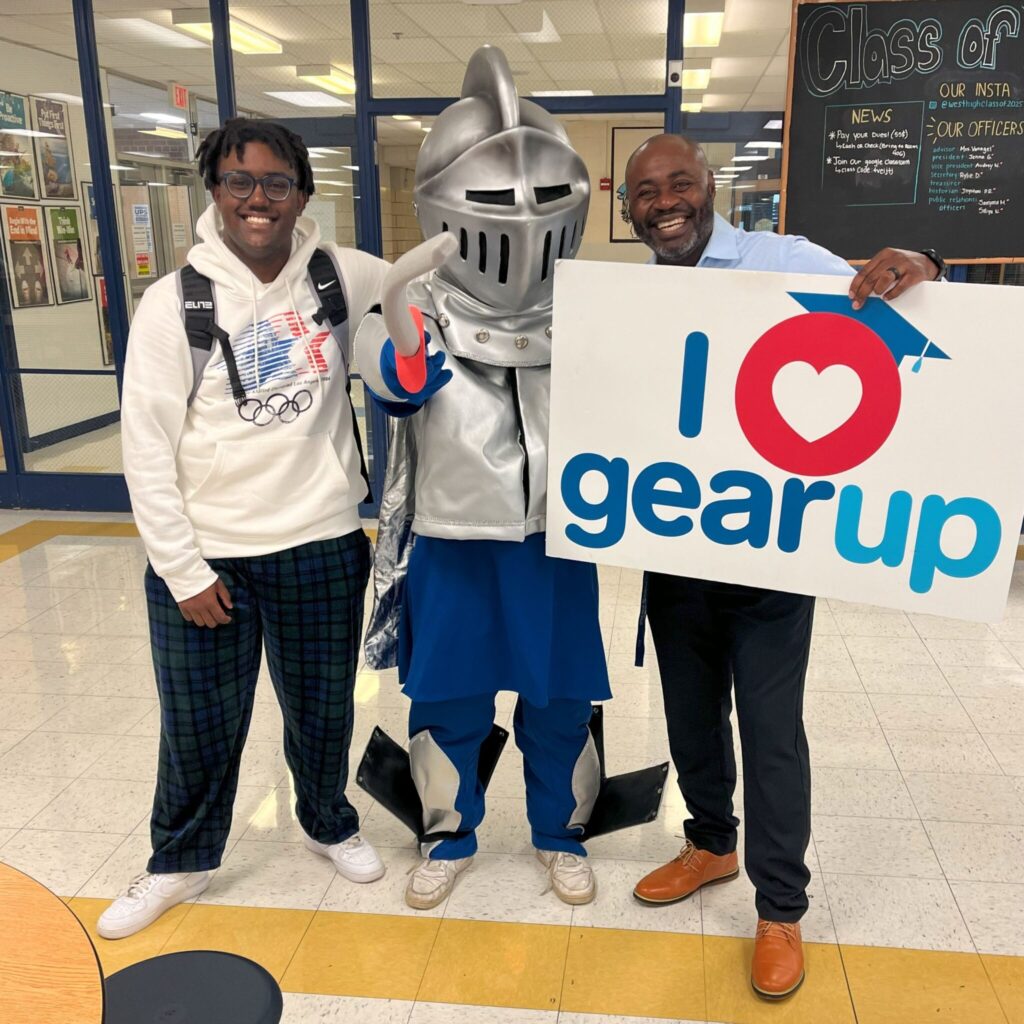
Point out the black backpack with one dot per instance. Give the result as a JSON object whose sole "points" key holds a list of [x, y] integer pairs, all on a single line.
{"points": [[199, 313]]}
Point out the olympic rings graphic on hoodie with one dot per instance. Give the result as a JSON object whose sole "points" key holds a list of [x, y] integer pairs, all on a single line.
{"points": [[277, 406]]}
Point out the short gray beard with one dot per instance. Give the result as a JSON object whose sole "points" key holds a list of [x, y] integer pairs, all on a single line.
{"points": [[705, 218]]}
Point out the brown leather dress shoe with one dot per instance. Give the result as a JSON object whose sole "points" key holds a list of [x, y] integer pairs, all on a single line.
{"points": [[778, 967], [682, 877]]}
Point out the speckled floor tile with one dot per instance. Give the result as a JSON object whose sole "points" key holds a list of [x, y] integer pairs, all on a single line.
{"points": [[916, 913]]}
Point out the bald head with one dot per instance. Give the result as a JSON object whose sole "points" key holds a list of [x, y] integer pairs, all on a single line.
{"points": [[668, 144], [670, 198]]}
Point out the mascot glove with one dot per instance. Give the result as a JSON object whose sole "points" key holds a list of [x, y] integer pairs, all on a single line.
{"points": [[436, 376]]}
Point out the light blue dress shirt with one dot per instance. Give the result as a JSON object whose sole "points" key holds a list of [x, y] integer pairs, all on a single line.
{"points": [[735, 249]]}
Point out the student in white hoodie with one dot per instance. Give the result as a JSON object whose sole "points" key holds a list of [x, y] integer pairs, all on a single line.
{"points": [[245, 473]]}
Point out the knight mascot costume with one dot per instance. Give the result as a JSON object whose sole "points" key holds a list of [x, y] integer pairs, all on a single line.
{"points": [[467, 601]]}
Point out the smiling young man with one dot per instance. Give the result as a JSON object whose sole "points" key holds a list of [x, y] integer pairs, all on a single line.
{"points": [[715, 638], [245, 471]]}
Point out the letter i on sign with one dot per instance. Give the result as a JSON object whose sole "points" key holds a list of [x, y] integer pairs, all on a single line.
{"points": [[695, 375]]}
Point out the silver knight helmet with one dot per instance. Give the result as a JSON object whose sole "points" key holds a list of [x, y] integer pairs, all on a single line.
{"points": [[500, 174]]}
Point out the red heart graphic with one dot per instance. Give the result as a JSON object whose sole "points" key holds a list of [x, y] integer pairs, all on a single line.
{"points": [[822, 340]]}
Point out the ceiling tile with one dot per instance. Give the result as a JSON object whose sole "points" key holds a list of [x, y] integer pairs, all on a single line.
{"points": [[577, 72], [738, 67], [755, 15], [637, 47], [725, 101], [574, 48], [445, 20], [750, 44], [638, 17]]}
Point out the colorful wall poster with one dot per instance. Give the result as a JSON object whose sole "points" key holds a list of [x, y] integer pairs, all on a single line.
{"points": [[53, 150], [17, 168], [71, 273], [27, 270], [106, 334], [624, 142], [93, 224]]}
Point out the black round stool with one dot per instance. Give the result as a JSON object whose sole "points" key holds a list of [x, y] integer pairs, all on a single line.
{"points": [[195, 987]]}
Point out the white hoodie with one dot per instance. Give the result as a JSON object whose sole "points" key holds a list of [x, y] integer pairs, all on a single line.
{"points": [[215, 480]]}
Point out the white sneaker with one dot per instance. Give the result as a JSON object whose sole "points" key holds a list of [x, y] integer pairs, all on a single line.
{"points": [[354, 858], [569, 875], [432, 881], [148, 896]]}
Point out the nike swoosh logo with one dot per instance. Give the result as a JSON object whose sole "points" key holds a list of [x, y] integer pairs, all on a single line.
{"points": [[324, 287]]}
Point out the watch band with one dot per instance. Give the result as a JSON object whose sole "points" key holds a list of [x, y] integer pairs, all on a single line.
{"points": [[937, 260]]}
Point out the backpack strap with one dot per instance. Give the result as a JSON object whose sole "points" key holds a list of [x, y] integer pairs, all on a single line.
{"points": [[325, 281], [199, 313]]}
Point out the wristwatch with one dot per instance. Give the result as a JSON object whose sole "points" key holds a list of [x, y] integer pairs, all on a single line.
{"points": [[937, 260]]}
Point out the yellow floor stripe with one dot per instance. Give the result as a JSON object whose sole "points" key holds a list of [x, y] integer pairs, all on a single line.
{"points": [[607, 971], [39, 531]]}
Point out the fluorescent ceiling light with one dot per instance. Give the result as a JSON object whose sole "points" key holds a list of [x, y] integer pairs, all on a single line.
{"points": [[562, 92], [733, 167], [328, 77], [333, 170], [401, 117], [139, 30], [696, 78], [158, 184], [764, 145], [749, 157], [773, 125], [164, 118], [690, 108], [329, 181], [426, 129], [244, 38], [314, 98], [163, 133], [351, 167], [702, 29], [546, 34], [332, 194]]}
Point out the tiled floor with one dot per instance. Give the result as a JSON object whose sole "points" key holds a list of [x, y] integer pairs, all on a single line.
{"points": [[916, 727]]}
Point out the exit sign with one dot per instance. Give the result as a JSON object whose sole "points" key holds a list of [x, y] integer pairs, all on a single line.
{"points": [[179, 97]]}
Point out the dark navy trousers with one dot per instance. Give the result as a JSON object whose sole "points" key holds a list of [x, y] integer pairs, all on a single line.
{"points": [[713, 639]]}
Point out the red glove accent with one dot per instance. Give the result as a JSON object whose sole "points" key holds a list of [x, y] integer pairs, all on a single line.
{"points": [[412, 370]]}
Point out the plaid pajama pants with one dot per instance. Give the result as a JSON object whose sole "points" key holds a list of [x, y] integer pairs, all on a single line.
{"points": [[305, 605]]}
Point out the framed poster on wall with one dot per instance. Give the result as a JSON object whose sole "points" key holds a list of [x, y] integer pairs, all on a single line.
{"points": [[71, 271], [25, 250], [53, 150], [137, 214], [179, 207], [624, 143], [93, 228], [106, 335], [17, 167]]}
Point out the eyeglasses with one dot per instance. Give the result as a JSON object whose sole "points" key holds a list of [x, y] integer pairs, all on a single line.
{"points": [[241, 184]]}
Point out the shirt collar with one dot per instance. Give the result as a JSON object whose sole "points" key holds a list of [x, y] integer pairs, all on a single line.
{"points": [[722, 245]]}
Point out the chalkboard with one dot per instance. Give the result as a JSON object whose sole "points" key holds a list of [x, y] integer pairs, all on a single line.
{"points": [[905, 127]]}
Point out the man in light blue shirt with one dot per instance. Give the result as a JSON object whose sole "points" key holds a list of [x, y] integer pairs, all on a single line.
{"points": [[714, 637]]}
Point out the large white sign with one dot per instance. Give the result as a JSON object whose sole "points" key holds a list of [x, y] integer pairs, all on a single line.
{"points": [[754, 428]]}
